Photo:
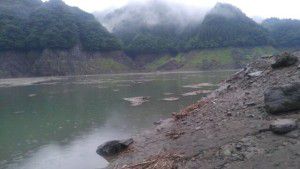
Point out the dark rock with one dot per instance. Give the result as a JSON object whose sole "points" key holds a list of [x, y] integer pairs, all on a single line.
{"points": [[113, 148], [250, 104], [229, 114], [282, 99], [284, 60], [238, 147], [157, 122], [283, 126]]}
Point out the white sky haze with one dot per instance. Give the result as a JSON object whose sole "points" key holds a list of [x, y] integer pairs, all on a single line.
{"points": [[262, 8]]}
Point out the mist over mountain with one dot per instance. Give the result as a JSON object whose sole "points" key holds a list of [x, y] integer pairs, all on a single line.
{"points": [[158, 26], [152, 13], [152, 27]]}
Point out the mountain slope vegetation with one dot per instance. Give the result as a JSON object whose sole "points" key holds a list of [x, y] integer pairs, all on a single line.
{"points": [[51, 38], [50, 25], [226, 25], [155, 27], [284, 32], [152, 27]]}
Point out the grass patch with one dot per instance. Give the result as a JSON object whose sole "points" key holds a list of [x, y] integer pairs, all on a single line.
{"points": [[158, 62]]}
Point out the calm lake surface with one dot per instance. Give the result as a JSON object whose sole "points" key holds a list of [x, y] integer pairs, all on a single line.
{"points": [[58, 123]]}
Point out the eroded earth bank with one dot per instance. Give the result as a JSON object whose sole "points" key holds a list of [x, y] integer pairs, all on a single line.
{"points": [[249, 122]]}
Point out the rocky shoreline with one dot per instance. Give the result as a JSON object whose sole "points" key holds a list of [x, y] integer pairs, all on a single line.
{"points": [[251, 121]]}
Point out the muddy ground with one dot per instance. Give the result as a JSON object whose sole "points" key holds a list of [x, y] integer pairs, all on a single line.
{"points": [[223, 129]]}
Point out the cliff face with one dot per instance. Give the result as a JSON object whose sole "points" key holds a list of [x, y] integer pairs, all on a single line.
{"points": [[62, 62]]}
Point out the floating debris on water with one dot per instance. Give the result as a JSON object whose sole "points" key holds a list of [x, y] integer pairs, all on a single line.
{"points": [[194, 93], [18, 112], [31, 95], [198, 85], [171, 99], [136, 101]]}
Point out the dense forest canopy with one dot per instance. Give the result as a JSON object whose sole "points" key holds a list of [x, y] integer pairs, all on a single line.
{"points": [[225, 25], [52, 25], [284, 32], [155, 27]]}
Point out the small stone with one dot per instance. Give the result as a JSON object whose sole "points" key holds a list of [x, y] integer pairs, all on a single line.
{"points": [[250, 104], [251, 116], [227, 152], [255, 74], [184, 122], [198, 128], [157, 122], [283, 126], [238, 147]]}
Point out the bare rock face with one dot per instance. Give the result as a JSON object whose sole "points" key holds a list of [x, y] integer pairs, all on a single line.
{"points": [[283, 126], [285, 60], [282, 99], [113, 148]]}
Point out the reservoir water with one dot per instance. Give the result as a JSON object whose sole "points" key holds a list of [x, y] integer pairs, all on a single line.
{"points": [[57, 123]]}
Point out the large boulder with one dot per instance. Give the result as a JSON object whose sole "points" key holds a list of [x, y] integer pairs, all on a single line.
{"points": [[283, 98], [283, 126], [284, 60], [112, 148]]}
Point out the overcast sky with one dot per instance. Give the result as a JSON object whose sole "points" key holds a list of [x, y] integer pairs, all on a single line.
{"points": [[262, 8]]}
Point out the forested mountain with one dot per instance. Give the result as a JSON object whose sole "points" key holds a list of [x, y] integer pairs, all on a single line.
{"points": [[155, 27], [226, 25], [34, 25], [154, 35], [284, 32], [152, 27]]}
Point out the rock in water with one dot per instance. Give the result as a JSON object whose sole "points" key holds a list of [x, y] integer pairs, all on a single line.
{"points": [[285, 60], [283, 98], [113, 148], [282, 126]]}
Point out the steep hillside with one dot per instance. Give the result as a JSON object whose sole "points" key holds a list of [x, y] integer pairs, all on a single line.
{"points": [[152, 27], [157, 27], [251, 121], [52, 38], [226, 25], [33, 25], [284, 32], [209, 59]]}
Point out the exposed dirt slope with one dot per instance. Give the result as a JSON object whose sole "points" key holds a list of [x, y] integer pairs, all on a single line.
{"points": [[223, 130]]}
